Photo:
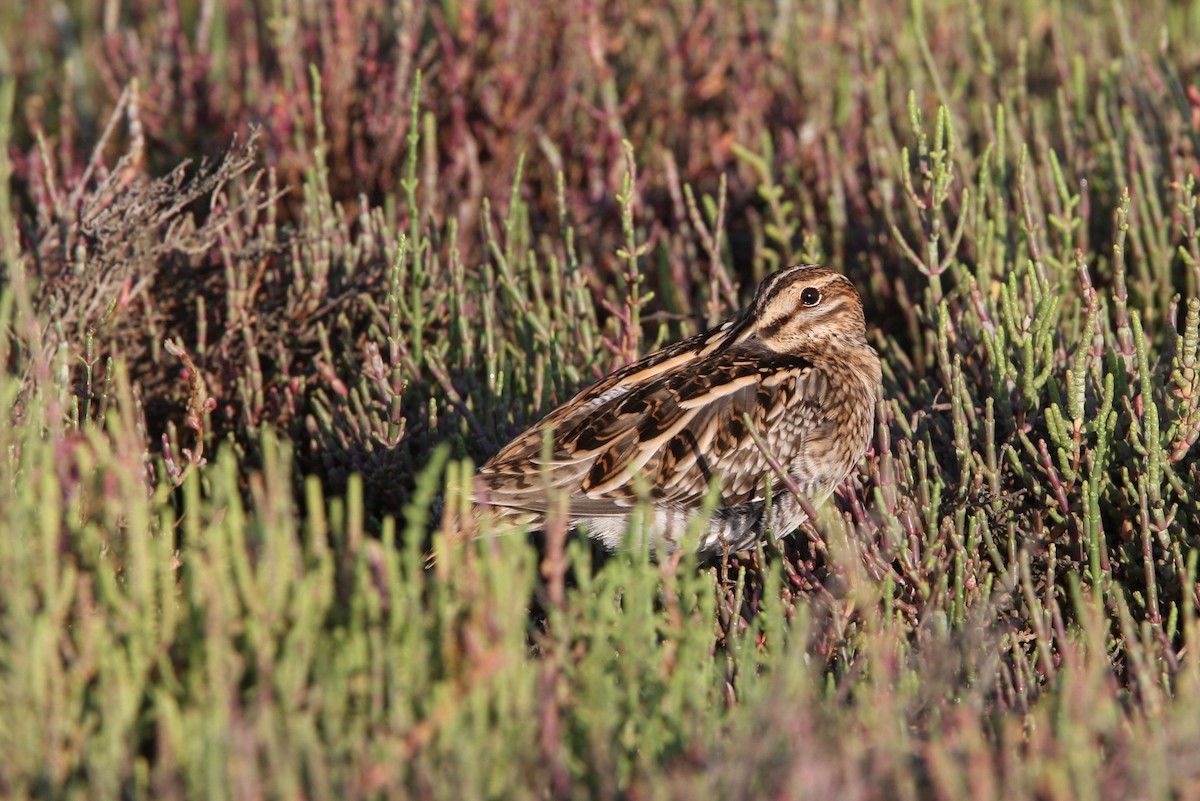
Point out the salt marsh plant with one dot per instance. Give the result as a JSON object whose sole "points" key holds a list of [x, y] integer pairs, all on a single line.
{"points": [[274, 279]]}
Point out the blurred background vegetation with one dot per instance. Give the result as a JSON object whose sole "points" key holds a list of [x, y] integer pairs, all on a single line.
{"points": [[276, 274]]}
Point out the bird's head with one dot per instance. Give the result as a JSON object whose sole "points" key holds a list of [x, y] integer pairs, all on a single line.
{"points": [[807, 305]]}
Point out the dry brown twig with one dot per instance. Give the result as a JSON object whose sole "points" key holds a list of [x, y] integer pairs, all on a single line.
{"points": [[200, 404]]}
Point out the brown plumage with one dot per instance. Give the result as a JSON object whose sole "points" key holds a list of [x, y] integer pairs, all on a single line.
{"points": [[796, 362]]}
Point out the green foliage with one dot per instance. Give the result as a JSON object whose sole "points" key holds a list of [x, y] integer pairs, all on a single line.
{"points": [[243, 396]]}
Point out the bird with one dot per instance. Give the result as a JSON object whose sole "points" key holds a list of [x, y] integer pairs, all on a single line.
{"points": [[789, 383]]}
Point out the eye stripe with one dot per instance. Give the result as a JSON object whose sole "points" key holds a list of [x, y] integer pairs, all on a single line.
{"points": [[781, 279], [830, 305], [828, 283], [774, 327]]}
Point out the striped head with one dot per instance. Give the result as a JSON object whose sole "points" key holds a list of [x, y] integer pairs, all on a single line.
{"points": [[806, 305]]}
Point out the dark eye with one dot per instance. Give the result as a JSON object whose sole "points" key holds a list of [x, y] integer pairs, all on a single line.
{"points": [[810, 297]]}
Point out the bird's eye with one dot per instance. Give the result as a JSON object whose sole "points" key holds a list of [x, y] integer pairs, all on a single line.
{"points": [[810, 297]]}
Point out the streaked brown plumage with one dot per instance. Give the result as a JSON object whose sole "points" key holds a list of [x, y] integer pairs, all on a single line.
{"points": [[796, 361]]}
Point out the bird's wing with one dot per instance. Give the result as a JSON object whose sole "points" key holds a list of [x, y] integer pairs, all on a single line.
{"points": [[668, 435]]}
